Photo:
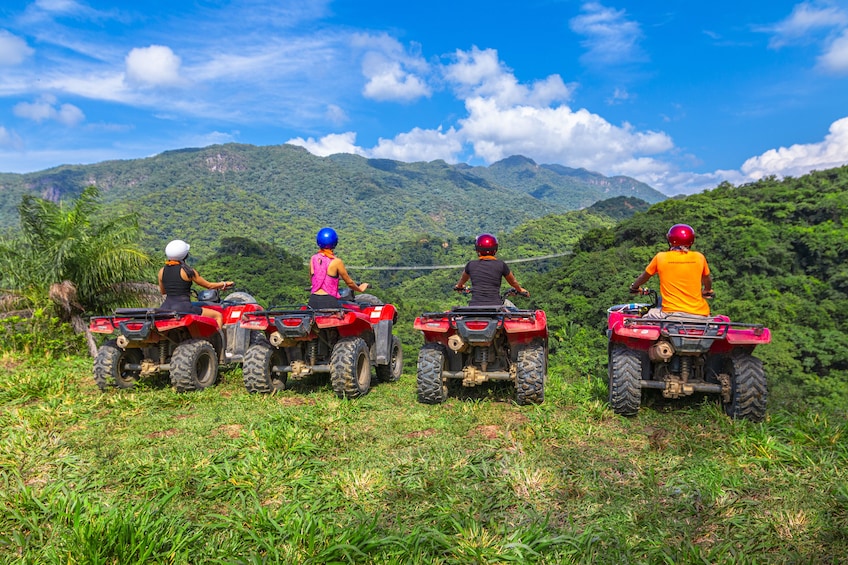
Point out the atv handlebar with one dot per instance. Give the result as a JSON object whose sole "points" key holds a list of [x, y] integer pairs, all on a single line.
{"points": [[642, 291], [510, 292]]}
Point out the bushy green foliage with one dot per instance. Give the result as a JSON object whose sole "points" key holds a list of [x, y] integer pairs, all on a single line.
{"points": [[39, 335]]}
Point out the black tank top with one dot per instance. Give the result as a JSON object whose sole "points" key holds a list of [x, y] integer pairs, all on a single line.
{"points": [[173, 283]]}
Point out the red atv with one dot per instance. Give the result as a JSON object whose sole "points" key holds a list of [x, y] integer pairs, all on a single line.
{"points": [[476, 344], [344, 342], [188, 346], [680, 356]]}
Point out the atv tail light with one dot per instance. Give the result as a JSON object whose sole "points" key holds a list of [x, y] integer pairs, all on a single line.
{"points": [[254, 322]]}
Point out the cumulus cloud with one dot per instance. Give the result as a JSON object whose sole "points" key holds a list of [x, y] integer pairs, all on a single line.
{"points": [[47, 108], [392, 72], [420, 145], [610, 38], [800, 159], [480, 73], [156, 65], [329, 144], [13, 49]]}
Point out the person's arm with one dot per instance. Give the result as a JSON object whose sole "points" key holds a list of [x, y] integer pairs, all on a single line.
{"points": [[161, 284], [510, 278], [462, 280], [707, 286], [640, 280], [206, 284], [342, 271]]}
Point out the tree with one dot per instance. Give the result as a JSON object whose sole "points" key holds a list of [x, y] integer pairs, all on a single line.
{"points": [[71, 258]]}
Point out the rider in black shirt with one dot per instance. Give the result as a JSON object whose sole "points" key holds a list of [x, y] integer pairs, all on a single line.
{"points": [[486, 273]]}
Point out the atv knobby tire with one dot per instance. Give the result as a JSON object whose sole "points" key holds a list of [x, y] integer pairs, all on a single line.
{"points": [[748, 392], [530, 374], [256, 369], [194, 365], [350, 368], [431, 362], [110, 366], [625, 375], [392, 371]]}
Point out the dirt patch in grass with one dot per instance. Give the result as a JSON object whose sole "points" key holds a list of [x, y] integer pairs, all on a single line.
{"points": [[422, 433], [170, 432], [488, 432], [232, 431], [296, 401]]}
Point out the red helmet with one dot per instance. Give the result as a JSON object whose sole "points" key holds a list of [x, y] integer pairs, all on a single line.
{"points": [[681, 235], [486, 244]]}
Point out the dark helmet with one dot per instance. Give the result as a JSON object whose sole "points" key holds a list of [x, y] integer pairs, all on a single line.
{"points": [[327, 238], [486, 244], [681, 235]]}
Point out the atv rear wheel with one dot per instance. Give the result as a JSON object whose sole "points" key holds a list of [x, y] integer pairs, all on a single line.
{"points": [[110, 366], [194, 365], [350, 368], [392, 371], [625, 374], [530, 374], [431, 363], [748, 388], [257, 370]]}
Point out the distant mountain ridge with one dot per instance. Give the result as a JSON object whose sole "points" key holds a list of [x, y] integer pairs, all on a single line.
{"points": [[280, 189]]}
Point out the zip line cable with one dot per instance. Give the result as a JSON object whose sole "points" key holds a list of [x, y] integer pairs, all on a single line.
{"points": [[462, 266]]}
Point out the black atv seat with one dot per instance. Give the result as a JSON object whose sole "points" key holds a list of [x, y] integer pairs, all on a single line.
{"points": [[154, 313]]}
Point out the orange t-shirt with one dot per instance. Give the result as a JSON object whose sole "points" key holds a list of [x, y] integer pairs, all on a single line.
{"points": [[680, 280]]}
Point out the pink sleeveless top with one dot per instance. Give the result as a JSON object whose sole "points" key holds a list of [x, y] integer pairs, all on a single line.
{"points": [[320, 279]]}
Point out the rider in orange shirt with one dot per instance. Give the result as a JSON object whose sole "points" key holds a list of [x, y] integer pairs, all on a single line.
{"points": [[685, 279]]}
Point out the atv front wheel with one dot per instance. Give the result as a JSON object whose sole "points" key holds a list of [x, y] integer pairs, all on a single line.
{"points": [[350, 368], [431, 362], [530, 374], [392, 371], [194, 365], [625, 374], [110, 366], [748, 388], [257, 370]]}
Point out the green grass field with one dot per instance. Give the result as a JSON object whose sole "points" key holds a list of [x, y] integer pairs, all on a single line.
{"points": [[222, 476]]}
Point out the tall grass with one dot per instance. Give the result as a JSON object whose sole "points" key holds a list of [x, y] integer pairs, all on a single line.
{"points": [[222, 476]]}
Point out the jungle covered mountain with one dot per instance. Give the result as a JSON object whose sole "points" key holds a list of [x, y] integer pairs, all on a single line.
{"points": [[282, 193]]}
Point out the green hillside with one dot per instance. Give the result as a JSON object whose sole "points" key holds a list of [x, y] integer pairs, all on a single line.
{"points": [[285, 193]]}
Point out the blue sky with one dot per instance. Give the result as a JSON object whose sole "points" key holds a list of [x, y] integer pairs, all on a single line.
{"points": [[681, 95]]}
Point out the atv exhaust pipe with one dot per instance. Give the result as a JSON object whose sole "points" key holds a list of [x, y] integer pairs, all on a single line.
{"points": [[122, 341], [457, 344], [661, 351]]}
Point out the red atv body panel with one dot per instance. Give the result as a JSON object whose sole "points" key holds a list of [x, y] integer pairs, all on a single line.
{"points": [[523, 326]]}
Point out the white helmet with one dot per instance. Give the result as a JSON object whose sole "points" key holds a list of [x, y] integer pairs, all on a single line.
{"points": [[177, 250]]}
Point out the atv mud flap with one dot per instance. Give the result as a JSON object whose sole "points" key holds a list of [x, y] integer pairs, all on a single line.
{"points": [[383, 342]]}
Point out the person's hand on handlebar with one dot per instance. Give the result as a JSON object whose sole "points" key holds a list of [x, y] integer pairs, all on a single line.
{"points": [[462, 288], [708, 293]]}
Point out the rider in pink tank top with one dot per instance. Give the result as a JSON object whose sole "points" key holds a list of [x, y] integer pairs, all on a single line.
{"points": [[321, 280]]}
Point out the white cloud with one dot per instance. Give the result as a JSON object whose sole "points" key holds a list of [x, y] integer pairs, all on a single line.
{"points": [[335, 114], [329, 144], [10, 140], [806, 19], [420, 145], [800, 159], [835, 58], [13, 49], [156, 65], [611, 39], [392, 73], [46, 108], [480, 73]]}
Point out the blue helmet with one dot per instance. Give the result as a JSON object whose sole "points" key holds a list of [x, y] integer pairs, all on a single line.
{"points": [[327, 238]]}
